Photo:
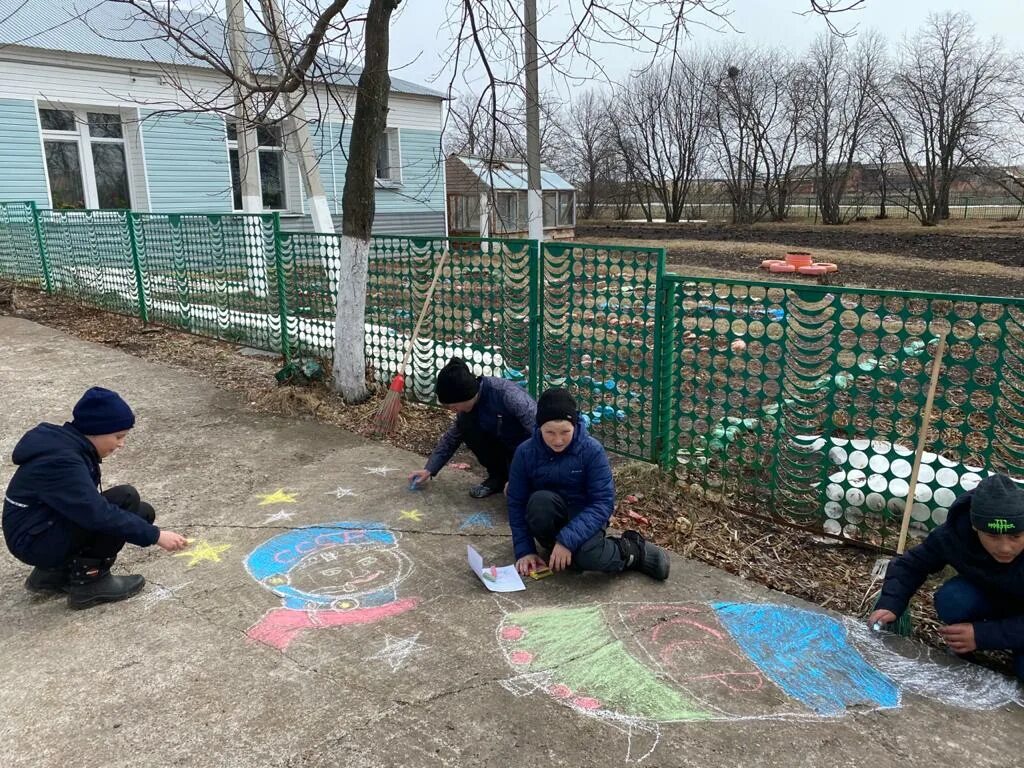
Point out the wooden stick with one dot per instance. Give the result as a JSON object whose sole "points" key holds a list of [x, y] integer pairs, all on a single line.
{"points": [[423, 313], [922, 439]]}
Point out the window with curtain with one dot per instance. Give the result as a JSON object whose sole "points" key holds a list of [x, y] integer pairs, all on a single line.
{"points": [[270, 153]]}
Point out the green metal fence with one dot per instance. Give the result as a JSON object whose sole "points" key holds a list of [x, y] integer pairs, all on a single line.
{"points": [[796, 402], [803, 402]]}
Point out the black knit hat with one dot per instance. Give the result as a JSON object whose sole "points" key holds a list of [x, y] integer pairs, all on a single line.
{"points": [[997, 506], [102, 412], [456, 383], [556, 405]]}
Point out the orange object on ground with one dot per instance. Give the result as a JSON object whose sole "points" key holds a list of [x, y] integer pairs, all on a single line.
{"points": [[782, 267], [767, 263], [829, 266], [799, 259], [813, 269]]}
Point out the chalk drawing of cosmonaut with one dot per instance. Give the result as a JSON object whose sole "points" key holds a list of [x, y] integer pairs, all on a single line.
{"points": [[340, 574]]}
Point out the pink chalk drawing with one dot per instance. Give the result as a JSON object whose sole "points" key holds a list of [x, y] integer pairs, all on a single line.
{"points": [[341, 574]]}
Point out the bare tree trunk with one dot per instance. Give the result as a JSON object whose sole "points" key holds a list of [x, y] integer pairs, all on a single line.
{"points": [[358, 204]]}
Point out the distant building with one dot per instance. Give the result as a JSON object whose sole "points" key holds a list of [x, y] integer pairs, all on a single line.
{"points": [[487, 198]]}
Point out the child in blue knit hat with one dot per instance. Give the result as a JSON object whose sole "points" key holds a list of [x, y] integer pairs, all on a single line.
{"points": [[982, 607], [55, 517]]}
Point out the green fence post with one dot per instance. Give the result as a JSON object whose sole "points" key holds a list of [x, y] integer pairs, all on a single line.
{"points": [[658, 433], [44, 260], [140, 283], [282, 294], [537, 320]]}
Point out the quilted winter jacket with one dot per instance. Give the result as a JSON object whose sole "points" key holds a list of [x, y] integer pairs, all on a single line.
{"points": [[580, 474], [955, 543], [504, 410], [56, 483]]}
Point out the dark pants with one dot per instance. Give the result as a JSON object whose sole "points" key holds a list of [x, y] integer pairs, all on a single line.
{"points": [[960, 602], [490, 450], [65, 541], [546, 515]]}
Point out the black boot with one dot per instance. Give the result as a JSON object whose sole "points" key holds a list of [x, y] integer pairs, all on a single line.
{"points": [[641, 555], [92, 584], [47, 581]]}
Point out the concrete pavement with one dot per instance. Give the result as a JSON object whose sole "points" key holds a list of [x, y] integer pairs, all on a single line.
{"points": [[325, 616]]}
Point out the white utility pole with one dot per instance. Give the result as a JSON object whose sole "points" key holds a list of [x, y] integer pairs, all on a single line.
{"points": [[248, 158], [534, 194], [316, 198]]}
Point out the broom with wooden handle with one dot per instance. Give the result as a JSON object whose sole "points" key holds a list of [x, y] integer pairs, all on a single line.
{"points": [[902, 625], [388, 413]]}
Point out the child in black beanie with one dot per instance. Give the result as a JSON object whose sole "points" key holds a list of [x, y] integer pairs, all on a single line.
{"points": [[56, 519], [562, 495], [983, 605], [493, 416]]}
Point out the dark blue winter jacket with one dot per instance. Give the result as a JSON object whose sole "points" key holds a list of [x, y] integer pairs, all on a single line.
{"points": [[956, 543], [56, 484], [504, 410], [580, 474]]}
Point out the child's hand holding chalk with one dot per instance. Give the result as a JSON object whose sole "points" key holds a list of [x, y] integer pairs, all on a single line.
{"points": [[417, 479]]}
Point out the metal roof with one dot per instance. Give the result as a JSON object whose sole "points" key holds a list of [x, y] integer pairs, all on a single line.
{"points": [[115, 30], [511, 174]]}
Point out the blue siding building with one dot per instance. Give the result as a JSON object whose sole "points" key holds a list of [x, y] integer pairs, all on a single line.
{"points": [[111, 120]]}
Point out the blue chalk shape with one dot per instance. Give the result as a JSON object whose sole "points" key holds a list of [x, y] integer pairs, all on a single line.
{"points": [[477, 520], [808, 656], [620, 415], [608, 411], [776, 314], [585, 418], [512, 374], [585, 380], [610, 385], [597, 391]]}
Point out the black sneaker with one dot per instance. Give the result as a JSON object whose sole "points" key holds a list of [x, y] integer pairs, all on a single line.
{"points": [[485, 489]]}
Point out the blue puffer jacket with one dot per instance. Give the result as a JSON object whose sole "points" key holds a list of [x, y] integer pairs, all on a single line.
{"points": [[582, 476], [56, 484], [956, 543]]}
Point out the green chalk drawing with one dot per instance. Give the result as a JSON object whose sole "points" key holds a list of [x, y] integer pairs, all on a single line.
{"points": [[578, 647]]}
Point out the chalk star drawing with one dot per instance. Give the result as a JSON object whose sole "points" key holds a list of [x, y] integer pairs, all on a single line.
{"points": [[282, 515], [410, 514], [341, 493], [202, 551], [477, 520], [159, 593], [397, 650], [382, 471], [277, 497]]}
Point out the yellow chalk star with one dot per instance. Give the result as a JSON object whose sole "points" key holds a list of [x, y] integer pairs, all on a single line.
{"points": [[203, 550], [277, 497], [410, 514]]}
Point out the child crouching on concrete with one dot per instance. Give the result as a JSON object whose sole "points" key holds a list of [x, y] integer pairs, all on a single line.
{"points": [[561, 494], [56, 519], [983, 605]]}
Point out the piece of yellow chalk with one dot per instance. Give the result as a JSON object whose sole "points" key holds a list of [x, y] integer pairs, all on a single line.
{"points": [[540, 573]]}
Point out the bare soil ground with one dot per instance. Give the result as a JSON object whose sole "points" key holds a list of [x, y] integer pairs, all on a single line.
{"points": [[983, 259]]}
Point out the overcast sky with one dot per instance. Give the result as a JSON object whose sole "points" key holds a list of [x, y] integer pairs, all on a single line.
{"points": [[419, 40]]}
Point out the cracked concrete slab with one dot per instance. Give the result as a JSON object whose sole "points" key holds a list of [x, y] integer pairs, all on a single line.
{"points": [[312, 627]]}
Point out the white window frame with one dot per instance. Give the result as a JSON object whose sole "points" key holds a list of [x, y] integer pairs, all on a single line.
{"points": [[84, 141], [394, 177], [232, 145]]}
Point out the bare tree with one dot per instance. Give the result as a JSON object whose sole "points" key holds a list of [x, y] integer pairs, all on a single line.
{"points": [[839, 84], [659, 125], [586, 146], [941, 103]]}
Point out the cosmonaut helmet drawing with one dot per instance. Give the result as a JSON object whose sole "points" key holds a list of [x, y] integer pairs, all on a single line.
{"points": [[331, 575]]}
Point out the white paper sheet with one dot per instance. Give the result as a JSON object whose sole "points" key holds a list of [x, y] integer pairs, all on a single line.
{"points": [[503, 578]]}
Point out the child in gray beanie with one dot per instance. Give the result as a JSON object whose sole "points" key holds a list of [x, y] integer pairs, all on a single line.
{"points": [[983, 605]]}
